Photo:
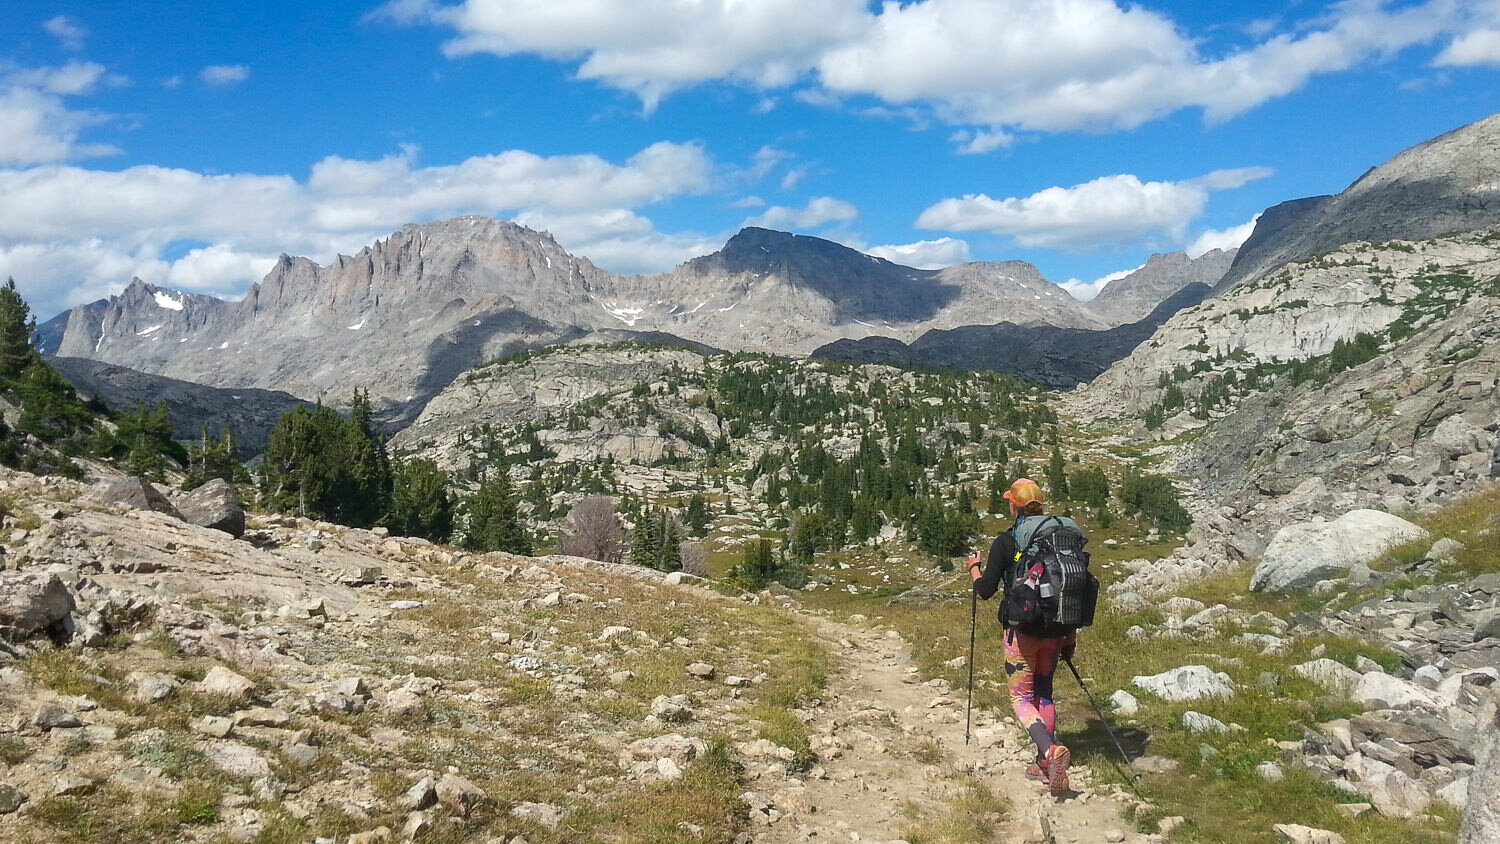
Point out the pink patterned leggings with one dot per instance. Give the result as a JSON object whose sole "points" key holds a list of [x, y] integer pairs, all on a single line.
{"points": [[1030, 662]]}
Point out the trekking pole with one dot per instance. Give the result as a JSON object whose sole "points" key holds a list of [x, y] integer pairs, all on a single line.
{"points": [[973, 623], [1086, 693]]}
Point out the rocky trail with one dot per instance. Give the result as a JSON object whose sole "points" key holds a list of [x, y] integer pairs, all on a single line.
{"points": [[892, 757]]}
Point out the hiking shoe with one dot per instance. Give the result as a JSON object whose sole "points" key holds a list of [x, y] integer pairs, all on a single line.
{"points": [[1035, 773], [1058, 758]]}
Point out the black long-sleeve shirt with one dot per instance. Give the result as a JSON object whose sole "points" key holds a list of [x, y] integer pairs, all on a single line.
{"points": [[1002, 554]]}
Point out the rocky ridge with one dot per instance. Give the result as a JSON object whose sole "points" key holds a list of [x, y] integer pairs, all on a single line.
{"points": [[407, 315], [1447, 184], [1134, 297]]}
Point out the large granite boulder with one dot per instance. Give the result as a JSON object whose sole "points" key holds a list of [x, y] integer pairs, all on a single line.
{"points": [[215, 505], [1190, 682], [137, 494], [1302, 554], [32, 603]]}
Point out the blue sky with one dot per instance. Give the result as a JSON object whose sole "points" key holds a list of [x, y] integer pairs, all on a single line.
{"points": [[191, 143]]}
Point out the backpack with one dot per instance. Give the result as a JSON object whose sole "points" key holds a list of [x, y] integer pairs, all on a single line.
{"points": [[1050, 590]]}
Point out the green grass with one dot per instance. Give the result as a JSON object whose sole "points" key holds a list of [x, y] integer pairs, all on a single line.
{"points": [[971, 817]]}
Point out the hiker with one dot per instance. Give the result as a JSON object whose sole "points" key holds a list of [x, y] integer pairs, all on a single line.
{"points": [[1033, 646]]}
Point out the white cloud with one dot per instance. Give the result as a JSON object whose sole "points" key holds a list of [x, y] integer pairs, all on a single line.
{"points": [[224, 74], [1231, 238], [997, 65], [980, 142], [36, 124], [236, 224], [925, 254], [68, 32], [818, 211], [1481, 47], [748, 202], [1106, 212], [1086, 291]]}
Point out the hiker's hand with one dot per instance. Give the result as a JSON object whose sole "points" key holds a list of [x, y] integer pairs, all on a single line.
{"points": [[1067, 651], [974, 565]]}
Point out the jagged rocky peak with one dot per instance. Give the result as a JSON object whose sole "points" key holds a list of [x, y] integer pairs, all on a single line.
{"points": [[1448, 184], [1135, 296], [755, 249]]}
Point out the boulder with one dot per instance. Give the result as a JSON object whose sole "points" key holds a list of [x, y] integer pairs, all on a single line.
{"points": [[1454, 437], [1330, 674], [458, 795], [1191, 682], [1487, 625], [1300, 555], [215, 505], [1481, 818], [11, 799], [1382, 691], [1124, 702], [137, 494], [33, 603], [237, 760], [222, 681], [1197, 722]]}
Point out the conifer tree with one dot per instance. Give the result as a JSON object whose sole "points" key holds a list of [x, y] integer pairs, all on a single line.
{"points": [[491, 519], [17, 328], [420, 504], [1057, 475]]}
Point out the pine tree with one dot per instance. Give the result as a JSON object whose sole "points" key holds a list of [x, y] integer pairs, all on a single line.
{"points": [[492, 521], [420, 505], [1057, 475], [698, 516], [995, 490], [17, 329], [644, 547], [367, 474]]}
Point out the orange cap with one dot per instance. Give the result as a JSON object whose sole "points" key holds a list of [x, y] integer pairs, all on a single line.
{"points": [[1024, 491]]}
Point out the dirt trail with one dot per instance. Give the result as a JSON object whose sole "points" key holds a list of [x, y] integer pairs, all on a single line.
{"points": [[875, 731]]}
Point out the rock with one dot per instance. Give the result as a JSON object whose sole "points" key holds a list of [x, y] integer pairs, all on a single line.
{"points": [[152, 688], [1155, 765], [609, 634], [374, 836], [417, 825], [1454, 437], [238, 760], [11, 799], [458, 795], [1290, 833], [421, 795], [1169, 825], [1487, 625], [1269, 771], [215, 505], [668, 769], [1030, 828], [1197, 722], [1395, 794], [674, 708], [262, 717], [1481, 818], [701, 670], [1191, 682], [1331, 674], [33, 603], [214, 726], [50, 716], [1383, 691], [351, 687], [679, 748], [545, 814], [1455, 794], [1444, 549], [406, 605], [68, 785], [137, 494], [1300, 555], [302, 754], [1124, 702], [222, 681], [1182, 606], [1354, 810]]}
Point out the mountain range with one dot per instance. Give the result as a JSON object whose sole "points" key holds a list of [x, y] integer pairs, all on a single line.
{"points": [[407, 315]]}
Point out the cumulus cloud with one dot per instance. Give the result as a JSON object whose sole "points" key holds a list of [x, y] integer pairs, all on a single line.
{"points": [[818, 211], [36, 123], [1110, 211], [68, 32], [980, 142], [925, 254], [1048, 65], [1481, 47], [221, 75], [1087, 291], [139, 218], [1231, 238]]}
